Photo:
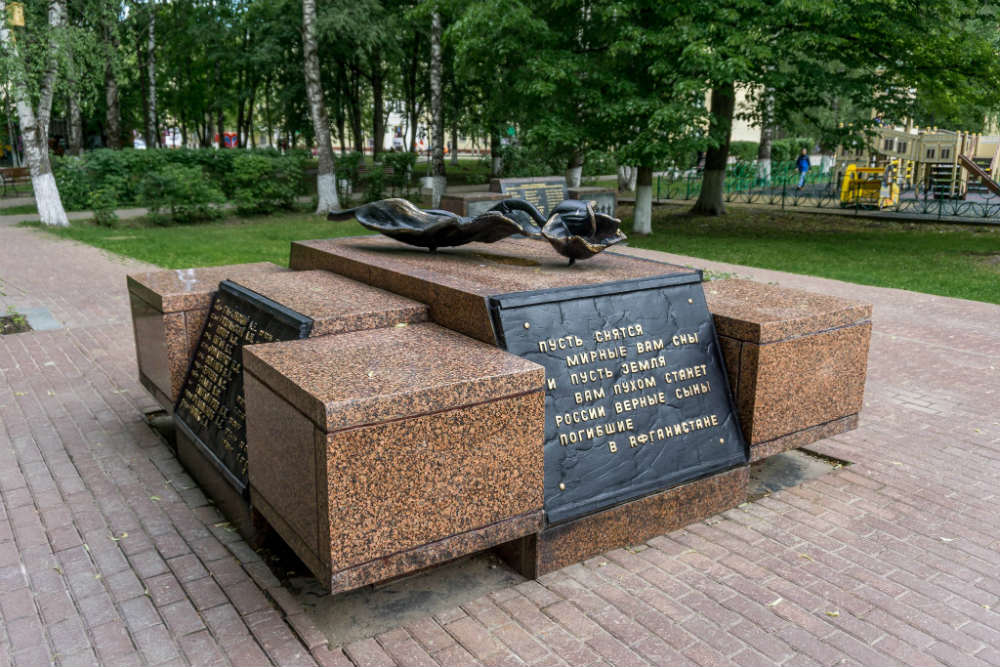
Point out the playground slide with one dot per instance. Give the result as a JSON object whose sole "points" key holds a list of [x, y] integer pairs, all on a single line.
{"points": [[976, 170]]}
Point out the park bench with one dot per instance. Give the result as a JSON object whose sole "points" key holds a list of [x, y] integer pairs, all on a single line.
{"points": [[11, 177]]}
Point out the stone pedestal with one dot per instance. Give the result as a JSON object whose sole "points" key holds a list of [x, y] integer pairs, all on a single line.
{"points": [[797, 361], [626, 524], [168, 313], [606, 198], [335, 304], [470, 204], [456, 283], [381, 452]]}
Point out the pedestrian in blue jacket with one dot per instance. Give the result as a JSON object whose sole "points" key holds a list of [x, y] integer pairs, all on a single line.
{"points": [[802, 164]]}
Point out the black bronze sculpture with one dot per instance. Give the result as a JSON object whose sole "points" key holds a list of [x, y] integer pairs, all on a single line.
{"points": [[574, 228]]}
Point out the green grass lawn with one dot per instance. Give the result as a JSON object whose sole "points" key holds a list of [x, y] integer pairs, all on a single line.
{"points": [[21, 209], [230, 241], [951, 260]]}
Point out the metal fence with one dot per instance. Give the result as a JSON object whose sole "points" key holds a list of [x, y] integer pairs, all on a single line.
{"points": [[747, 185]]}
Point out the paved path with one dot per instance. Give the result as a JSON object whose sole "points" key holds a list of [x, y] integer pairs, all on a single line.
{"points": [[110, 554]]}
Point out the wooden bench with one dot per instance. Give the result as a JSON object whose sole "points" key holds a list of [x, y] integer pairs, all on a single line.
{"points": [[11, 177]]}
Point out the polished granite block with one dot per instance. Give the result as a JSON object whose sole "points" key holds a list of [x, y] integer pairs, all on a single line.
{"points": [[169, 309], [334, 303], [797, 361], [470, 204], [455, 283], [627, 524], [407, 446]]}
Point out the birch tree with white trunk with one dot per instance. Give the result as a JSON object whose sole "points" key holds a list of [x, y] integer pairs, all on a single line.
{"points": [[34, 123], [437, 115], [152, 126], [326, 186]]}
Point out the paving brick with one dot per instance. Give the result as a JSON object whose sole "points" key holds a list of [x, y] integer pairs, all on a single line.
{"points": [[368, 653], [24, 633], [247, 597], [98, 609], [17, 604], [200, 649], [156, 645], [403, 649], [205, 593], [68, 636], [181, 618], [246, 654], [187, 568], [455, 655], [165, 589], [112, 641], [430, 634]]}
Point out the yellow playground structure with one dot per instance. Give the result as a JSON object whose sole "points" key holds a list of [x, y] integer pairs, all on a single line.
{"points": [[942, 164], [870, 187]]}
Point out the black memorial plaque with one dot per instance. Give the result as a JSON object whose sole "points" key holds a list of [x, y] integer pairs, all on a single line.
{"points": [[637, 399], [543, 193], [211, 409]]}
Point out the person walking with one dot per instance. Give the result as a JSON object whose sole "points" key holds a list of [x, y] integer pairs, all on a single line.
{"points": [[802, 164]]}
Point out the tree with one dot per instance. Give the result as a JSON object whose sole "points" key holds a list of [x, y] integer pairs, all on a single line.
{"points": [[152, 121], [850, 56], [34, 122], [437, 115], [326, 186]]}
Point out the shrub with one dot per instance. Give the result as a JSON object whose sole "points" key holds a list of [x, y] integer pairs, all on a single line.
{"points": [[263, 184], [523, 160], [183, 193], [402, 166], [346, 168], [104, 201], [127, 170], [744, 151], [789, 149], [375, 185], [599, 163], [73, 180]]}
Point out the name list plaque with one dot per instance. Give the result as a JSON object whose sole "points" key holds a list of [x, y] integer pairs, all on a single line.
{"points": [[543, 193], [211, 408], [637, 399]]}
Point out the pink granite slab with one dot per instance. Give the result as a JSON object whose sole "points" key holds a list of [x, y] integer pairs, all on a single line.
{"points": [[171, 290], [336, 304], [762, 313], [373, 376]]}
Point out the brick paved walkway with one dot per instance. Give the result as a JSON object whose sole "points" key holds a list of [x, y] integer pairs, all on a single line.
{"points": [[110, 554]]}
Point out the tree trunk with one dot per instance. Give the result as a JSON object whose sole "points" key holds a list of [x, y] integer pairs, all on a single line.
{"points": [[249, 117], [627, 177], [496, 158], [113, 116], [152, 128], [412, 93], [437, 115], [354, 110], [220, 127], [239, 121], [57, 16], [326, 186], [642, 224], [378, 107], [50, 208], [766, 138], [574, 169], [267, 112], [720, 126], [75, 126], [454, 144]]}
